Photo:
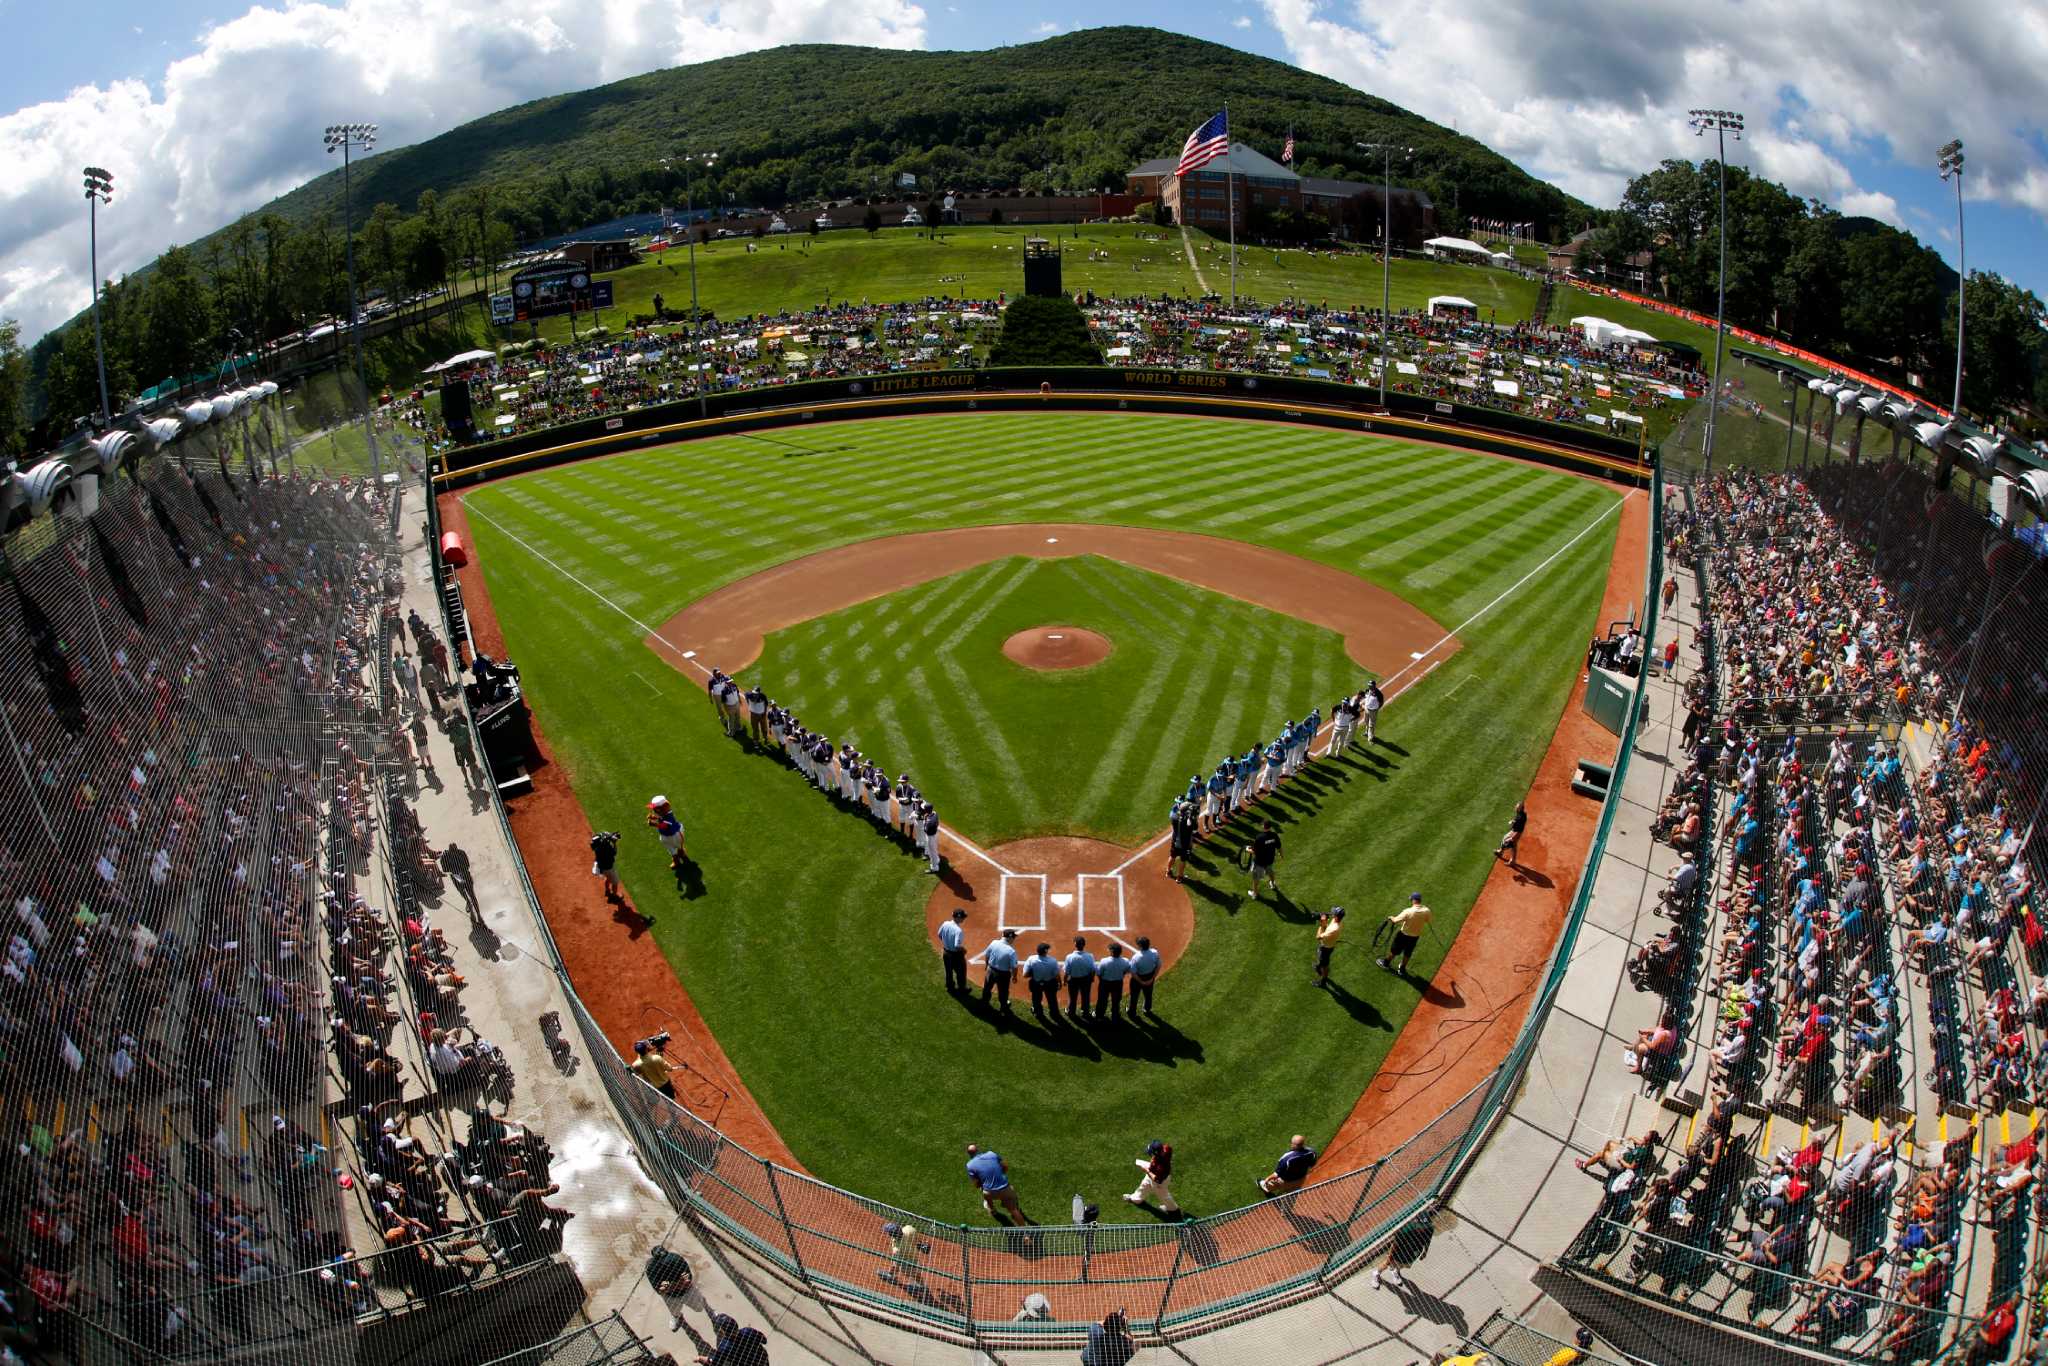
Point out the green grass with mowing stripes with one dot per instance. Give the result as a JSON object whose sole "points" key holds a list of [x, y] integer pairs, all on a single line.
{"points": [[1093, 751], [806, 952]]}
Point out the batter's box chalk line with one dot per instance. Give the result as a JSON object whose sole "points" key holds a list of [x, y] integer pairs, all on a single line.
{"points": [[1103, 897], [1033, 898]]}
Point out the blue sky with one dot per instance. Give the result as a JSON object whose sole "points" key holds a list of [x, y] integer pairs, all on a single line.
{"points": [[181, 98]]}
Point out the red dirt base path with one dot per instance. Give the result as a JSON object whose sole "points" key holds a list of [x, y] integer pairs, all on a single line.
{"points": [[1061, 886], [619, 971], [1381, 631], [1058, 647], [1469, 1015]]}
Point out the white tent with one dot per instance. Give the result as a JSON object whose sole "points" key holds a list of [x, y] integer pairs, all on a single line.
{"points": [[1601, 332], [1455, 246], [463, 359], [1507, 387], [1452, 302]]}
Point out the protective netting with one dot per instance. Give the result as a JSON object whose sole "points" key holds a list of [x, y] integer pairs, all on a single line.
{"points": [[1852, 989]]}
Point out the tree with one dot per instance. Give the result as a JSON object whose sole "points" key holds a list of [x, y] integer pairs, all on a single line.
{"points": [[872, 220], [13, 390], [177, 319], [1042, 330], [71, 386], [2002, 343], [995, 216]]}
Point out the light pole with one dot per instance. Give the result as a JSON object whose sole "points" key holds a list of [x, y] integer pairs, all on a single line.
{"points": [[1949, 160], [1386, 151], [99, 189], [690, 161], [1723, 122], [345, 137]]}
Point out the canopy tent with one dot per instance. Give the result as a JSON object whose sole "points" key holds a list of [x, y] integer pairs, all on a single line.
{"points": [[1452, 303], [464, 358], [1601, 332], [1456, 246]]}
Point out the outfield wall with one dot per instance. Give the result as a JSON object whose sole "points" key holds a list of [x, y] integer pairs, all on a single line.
{"points": [[1201, 392], [1177, 1281]]}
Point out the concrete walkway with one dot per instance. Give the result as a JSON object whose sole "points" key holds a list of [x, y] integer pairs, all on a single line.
{"points": [[1517, 1208]]}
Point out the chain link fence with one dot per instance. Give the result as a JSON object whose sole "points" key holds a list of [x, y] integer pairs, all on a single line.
{"points": [[1042, 1286]]}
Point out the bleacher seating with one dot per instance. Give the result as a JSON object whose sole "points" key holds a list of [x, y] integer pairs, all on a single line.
{"points": [[1860, 950]]}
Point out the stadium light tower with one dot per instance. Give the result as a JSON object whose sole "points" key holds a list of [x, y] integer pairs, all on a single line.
{"points": [[1949, 161], [1723, 122], [689, 161], [345, 137], [99, 189], [1386, 151]]}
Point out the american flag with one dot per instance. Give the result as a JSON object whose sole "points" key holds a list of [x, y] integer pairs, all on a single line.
{"points": [[1204, 145], [1287, 152]]}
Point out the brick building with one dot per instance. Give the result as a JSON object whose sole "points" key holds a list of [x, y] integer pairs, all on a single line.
{"points": [[1202, 200]]}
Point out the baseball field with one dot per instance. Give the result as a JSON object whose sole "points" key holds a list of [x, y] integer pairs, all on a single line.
{"points": [[1240, 575]]}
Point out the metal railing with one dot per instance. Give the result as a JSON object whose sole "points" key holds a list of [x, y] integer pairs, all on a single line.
{"points": [[1175, 1280], [1818, 1316]]}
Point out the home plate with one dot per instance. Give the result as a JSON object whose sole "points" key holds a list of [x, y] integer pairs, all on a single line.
{"points": [[1062, 899]]}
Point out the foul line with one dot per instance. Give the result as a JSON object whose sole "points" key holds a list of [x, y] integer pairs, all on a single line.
{"points": [[1449, 636], [680, 653]]}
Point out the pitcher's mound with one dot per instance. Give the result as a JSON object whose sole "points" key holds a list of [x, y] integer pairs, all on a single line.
{"points": [[1057, 647]]}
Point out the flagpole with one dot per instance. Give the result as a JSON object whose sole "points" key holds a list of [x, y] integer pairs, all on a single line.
{"points": [[1230, 197]]}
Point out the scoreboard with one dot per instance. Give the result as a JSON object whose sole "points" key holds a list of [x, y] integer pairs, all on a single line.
{"points": [[547, 291]]}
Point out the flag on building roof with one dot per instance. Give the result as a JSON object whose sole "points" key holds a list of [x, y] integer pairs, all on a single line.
{"points": [[1287, 152], [1205, 144]]}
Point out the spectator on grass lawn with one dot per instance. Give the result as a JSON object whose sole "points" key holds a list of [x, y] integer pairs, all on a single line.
{"points": [[1291, 1170], [991, 1176], [1410, 1245]]}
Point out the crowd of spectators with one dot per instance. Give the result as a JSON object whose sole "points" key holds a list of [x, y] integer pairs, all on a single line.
{"points": [[1826, 894], [1520, 367], [192, 965]]}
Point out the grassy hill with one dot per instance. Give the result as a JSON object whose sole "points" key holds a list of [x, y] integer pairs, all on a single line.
{"points": [[805, 122]]}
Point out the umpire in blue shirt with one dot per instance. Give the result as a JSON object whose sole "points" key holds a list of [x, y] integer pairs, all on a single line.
{"points": [[1001, 960], [1042, 975], [1080, 972], [1110, 972], [953, 950]]}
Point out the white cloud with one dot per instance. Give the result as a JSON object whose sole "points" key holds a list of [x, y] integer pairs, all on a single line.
{"points": [[237, 121], [1049, 26], [1586, 100], [1245, 21], [1872, 204]]}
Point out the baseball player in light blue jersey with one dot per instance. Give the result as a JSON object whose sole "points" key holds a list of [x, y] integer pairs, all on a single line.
{"points": [[1218, 794], [1276, 757], [1310, 728]]}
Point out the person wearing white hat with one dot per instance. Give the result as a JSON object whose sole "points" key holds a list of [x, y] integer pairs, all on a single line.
{"points": [[667, 823]]}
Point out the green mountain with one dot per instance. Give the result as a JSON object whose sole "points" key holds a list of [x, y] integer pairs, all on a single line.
{"points": [[800, 123]]}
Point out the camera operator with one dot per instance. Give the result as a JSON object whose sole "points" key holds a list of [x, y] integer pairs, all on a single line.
{"points": [[650, 1066], [604, 858]]}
